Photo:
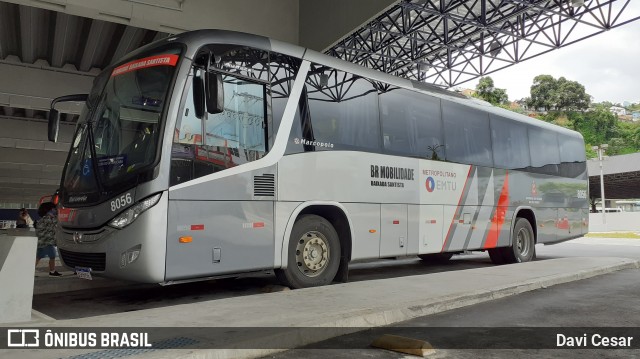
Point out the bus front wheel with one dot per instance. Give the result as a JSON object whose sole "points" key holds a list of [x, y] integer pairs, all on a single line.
{"points": [[314, 253]]}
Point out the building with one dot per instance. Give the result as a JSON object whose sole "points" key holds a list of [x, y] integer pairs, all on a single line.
{"points": [[618, 110]]}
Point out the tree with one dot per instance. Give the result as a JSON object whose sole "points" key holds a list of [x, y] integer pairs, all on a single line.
{"points": [[487, 91], [571, 96], [597, 126], [561, 94], [542, 93], [636, 137]]}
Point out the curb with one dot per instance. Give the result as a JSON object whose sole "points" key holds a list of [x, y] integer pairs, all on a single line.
{"points": [[355, 321]]}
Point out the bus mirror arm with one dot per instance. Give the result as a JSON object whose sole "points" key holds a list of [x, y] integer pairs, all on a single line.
{"points": [[54, 115], [215, 93]]}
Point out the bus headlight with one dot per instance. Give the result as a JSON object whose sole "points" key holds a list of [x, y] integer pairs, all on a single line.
{"points": [[127, 217]]}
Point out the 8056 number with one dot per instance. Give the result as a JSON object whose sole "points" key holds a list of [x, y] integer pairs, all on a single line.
{"points": [[121, 202]]}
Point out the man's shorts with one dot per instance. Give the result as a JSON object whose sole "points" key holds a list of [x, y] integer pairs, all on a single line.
{"points": [[46, 251]]}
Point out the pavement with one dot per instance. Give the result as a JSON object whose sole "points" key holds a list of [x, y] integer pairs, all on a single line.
{"points": [[287, 319], [44, 284]]}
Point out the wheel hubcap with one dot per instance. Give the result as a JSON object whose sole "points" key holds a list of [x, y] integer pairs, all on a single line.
{"points": [[523, 242], [312, 253]]}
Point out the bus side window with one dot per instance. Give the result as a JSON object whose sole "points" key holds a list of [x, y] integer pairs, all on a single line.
{"points": [[187, 136], [572, 156], [467, 135], [545, 154], [283, 70], [510, 143], [343, 109], [411, 124]]}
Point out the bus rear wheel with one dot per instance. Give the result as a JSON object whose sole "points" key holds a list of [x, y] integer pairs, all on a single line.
{"points": [[314, 253], [497, 255], [522, 249]]}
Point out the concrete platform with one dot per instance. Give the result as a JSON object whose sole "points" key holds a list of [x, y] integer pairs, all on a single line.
{"points": [[348, 307], [44, 284]]}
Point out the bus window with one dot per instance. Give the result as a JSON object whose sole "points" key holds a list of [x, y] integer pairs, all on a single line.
{"points": [[411, 124], [283, 71], [467, 135], [236, 136], [343, 110], [189, 127], [186, 136], [510, 143], [545, 155], [572, 156]]}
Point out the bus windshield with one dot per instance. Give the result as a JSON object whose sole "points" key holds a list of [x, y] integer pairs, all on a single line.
{"points": [[121, 126]]}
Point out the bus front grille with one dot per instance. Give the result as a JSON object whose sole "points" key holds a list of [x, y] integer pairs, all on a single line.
{"points": [[95, 261]]}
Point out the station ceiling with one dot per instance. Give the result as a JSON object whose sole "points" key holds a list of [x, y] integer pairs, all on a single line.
{"points": [[450, 42], [55, 47], [32, 39], [621, 177]]}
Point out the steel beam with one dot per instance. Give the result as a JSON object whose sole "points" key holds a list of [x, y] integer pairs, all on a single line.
{"points": [[449, 42]]}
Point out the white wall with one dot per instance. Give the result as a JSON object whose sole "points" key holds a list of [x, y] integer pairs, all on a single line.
{"points": [[619, 221], [17, 258]]}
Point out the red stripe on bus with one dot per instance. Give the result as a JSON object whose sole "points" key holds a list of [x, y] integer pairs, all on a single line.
{"points": [[197, 227], [151, 61], [396, 222], [258, 224], [444, 244], [498, 219]]}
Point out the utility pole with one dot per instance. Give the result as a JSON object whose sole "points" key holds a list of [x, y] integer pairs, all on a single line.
{"points": [[601, 149]]}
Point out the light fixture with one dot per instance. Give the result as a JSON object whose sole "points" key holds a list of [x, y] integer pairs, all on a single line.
{"points": [[495, 48], [324, 80]]}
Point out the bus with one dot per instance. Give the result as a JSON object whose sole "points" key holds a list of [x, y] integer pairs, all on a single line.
{"points": [[213, 153]]}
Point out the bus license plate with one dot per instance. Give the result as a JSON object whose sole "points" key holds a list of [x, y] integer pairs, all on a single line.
{"points": [[83, 273]]}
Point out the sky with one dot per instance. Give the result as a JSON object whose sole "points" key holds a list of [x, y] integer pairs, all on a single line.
{"points": [[608, 65]]}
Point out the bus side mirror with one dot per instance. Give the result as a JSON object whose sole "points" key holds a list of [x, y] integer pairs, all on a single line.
{"points": [[215, 93], [54, 125], [54, 115], [198, 96]]}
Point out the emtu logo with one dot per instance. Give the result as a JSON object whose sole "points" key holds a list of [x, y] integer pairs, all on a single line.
{"points": [[430, 184]]}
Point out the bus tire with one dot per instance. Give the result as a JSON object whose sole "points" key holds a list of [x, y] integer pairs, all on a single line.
{"points": [[497, 255], [314, 253], [436, 257], [523, 243]]}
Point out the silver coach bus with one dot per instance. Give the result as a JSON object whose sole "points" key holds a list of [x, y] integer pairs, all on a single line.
{"points": [[213, 153]]}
